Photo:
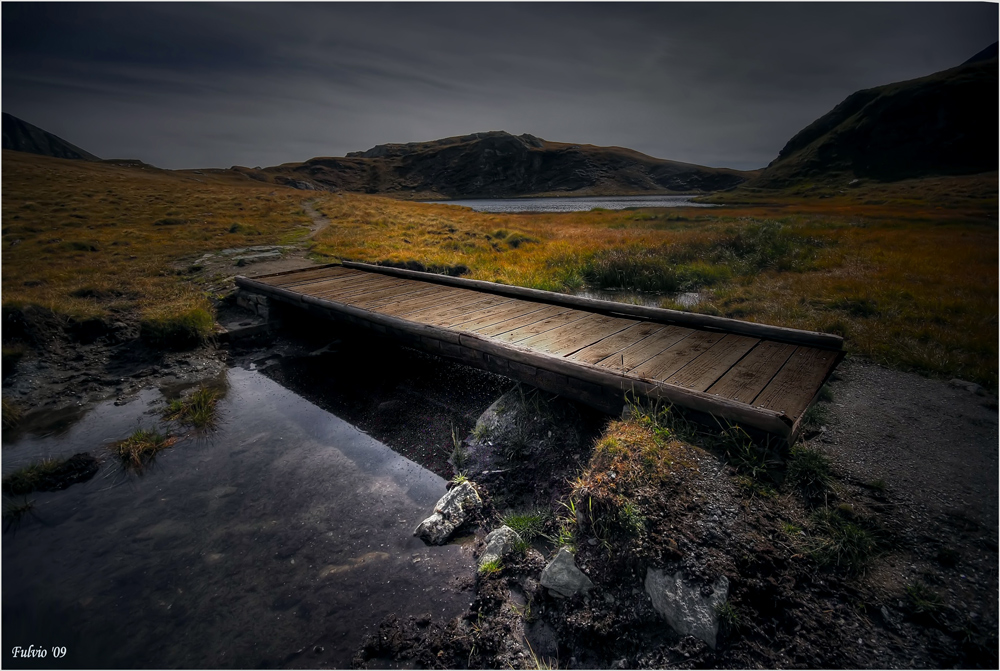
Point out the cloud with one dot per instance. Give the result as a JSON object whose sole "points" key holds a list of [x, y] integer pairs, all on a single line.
{"points": [[187, 85]]}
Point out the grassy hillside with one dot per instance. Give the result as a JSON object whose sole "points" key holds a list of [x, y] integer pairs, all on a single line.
{"points": [[942, 124], [907, 275], [88, 239]]}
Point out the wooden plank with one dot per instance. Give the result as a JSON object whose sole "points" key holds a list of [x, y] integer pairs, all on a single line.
{"points": [[794, 386], [577, 335], [275, 277], [711, 365], [500, 313], [542, 326], [308, 277], [430, 300], [675, 357], [645, 349], [376, 304], [489, 306], [453, 309], [329, 283], [690, 319], [519, 321], [616, 343], [386, 294], [753, 372], [353, 289]]}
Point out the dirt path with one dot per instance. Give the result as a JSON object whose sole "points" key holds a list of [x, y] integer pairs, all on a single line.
{"points": [[319, 220], [935, 444]]}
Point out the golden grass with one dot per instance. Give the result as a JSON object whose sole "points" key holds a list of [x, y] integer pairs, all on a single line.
{"points": [[908, 284], [87, 238], [907, 272]]}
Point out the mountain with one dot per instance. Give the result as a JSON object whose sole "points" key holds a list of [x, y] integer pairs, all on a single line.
{"points": [[496, 165], [942, 124], [22, 136]]}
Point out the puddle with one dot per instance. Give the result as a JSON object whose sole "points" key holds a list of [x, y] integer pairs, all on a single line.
{"points": [[282, 539], [685, 298]]}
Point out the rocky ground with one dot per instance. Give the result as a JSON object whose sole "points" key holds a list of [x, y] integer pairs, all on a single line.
{"points": [[914, 466]]}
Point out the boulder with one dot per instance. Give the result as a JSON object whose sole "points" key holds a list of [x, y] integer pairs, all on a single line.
{"points": [[563, 578], [689, 608], [499, 543], [449, 513]]}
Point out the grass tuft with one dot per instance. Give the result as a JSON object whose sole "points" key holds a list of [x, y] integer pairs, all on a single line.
{"points": [[28, 478], [198, 410], [12, 414], [140, 449], [808, 470], [843, 540], [528, 524], [491, 567]]}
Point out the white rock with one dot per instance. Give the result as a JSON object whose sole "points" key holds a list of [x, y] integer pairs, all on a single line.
{"points": [[686, 609], [499, 543], [450, 512], [563, 577]]}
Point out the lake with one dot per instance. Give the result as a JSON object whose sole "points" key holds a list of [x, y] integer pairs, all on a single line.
{"points": [[572, 204]]}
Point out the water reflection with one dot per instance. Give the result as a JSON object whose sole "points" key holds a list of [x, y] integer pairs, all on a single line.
{"points": [[572, 204], [282, 538]]}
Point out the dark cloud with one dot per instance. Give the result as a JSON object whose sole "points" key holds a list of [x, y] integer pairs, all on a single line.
{"points": [[188, 85]]}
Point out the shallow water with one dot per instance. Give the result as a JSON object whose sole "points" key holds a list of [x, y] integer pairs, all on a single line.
{"points": [[572, 204], [652, 300], [283, 538]]}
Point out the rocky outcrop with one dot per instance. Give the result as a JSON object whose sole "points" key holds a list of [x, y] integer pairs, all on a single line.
{"points": [[451, 511], [563, 578], [689, 608], [499, 543]]}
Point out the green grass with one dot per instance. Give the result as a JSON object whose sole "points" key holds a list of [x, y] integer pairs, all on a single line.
{"points": [[528, 524], [199, 410], [808, 470], [922, 600], [842, 540], [181, 329], [491, 567], [140, 449], [27, 479]]}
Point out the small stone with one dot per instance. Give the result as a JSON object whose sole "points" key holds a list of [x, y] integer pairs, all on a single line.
{"points": [[562, 576], [450, 512], [499, 543], [687, 608]]}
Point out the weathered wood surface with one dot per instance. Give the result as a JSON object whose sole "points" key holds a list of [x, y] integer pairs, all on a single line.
{"points": [[760, 376]]}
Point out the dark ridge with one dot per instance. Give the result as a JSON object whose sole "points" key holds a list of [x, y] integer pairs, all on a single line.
{"points": [[497, 164], [20, 135], [942, 124]]}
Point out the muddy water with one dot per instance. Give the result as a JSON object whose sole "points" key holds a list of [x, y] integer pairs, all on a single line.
{"points": [[281, 539]]}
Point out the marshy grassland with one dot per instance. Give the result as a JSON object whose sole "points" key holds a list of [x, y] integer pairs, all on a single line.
{"points": [[907, 272]]}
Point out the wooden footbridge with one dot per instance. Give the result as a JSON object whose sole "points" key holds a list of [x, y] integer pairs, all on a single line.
{"points": [[758, 376]]}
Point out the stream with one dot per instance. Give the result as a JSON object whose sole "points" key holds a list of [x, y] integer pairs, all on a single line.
{"points": [[280, 539]]}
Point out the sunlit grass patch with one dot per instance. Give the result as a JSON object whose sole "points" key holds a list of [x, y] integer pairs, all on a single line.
{"points": [[177, 328], [140, 449], [528, 524]]}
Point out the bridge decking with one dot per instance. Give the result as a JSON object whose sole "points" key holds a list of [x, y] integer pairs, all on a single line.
{"points": [[756, 375]]}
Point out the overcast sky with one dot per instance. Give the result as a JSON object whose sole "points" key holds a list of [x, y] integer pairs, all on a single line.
{"points": [[214, 85]]}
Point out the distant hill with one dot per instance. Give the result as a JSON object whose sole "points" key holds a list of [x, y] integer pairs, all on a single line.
{"points": [[942, 124], [22, 136], [497, 164]]}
